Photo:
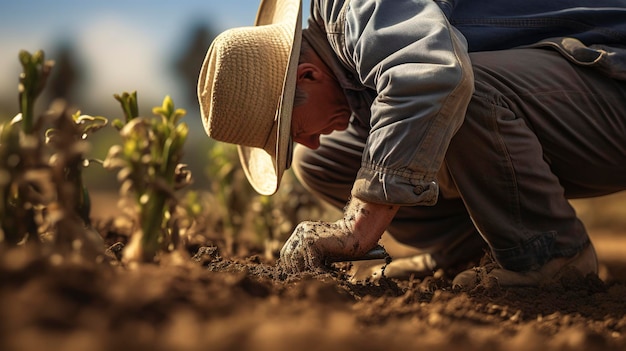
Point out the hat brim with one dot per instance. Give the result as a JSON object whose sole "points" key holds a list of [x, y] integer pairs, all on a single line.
{"points": [[263, 170]]}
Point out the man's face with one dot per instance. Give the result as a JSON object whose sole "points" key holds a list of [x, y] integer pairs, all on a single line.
{"points": [[325, 109]]}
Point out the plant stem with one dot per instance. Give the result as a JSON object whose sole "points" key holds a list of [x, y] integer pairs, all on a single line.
{"points": [[152, 213]]}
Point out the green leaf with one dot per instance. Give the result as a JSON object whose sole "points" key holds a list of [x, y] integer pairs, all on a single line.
{"points": [[167, 111], [129, 104], [90, 124], [32, 82], [117, 124]]}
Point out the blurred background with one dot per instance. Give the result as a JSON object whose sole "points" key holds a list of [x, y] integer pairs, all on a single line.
{"points": [[101, 48]]}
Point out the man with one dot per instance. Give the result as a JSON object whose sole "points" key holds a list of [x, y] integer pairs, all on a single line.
{"points": [[440, 147]]}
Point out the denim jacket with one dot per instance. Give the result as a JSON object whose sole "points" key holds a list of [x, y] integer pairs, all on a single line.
{"points": [[406, 73]]}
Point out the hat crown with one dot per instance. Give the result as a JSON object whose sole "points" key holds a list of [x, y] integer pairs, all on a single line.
{"points": [[246, 89], [244, 95]]}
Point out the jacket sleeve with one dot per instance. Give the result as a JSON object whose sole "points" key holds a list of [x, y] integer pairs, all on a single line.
{"points": [[418, 64]]}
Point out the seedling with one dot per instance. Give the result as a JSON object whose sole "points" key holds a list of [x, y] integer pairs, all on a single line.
{"points": [[42, 188], [239, 207], [32, 82], [149, 170], [24, 177], [68, 139], [231, 192]]}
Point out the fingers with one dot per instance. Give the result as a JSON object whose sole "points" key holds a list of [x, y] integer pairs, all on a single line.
{"points": [[300, 253], [289, 259]]}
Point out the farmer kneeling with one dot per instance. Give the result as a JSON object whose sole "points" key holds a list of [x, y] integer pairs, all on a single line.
{"points": [[452, 128]]}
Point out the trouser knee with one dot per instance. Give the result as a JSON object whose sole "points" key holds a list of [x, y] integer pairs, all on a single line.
{"points": [[315, 173]]}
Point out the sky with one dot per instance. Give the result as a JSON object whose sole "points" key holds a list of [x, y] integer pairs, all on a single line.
{"points": [[122, 45]]}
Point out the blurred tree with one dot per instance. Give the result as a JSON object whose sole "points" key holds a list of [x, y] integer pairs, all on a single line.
{"points": [[66, 75], [187, 64]]}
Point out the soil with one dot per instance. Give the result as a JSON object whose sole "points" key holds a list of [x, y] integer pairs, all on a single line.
{"points": [[201, 298]]}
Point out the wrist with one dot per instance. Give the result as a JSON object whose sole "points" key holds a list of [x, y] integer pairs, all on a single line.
{"points": [[366, 222]]}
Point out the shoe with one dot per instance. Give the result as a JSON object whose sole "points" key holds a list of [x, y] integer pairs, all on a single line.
{"points": [[418, 266], [585, 262]]}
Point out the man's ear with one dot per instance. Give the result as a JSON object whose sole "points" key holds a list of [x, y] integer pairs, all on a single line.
{"points": [[307, 72]]}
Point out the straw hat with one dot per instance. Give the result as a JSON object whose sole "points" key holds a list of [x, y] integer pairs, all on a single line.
{"points": [[246, 90]]}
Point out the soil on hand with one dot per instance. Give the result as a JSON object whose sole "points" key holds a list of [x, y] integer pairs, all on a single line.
{"points": [[201, 298]]}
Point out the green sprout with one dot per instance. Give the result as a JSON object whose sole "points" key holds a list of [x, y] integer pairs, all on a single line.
{"points": [[18, 220], [129, 106], [68, 137], [32, 82], [230, 191], [239, 209], [43, 189], [276, 216], [73, 205], [149, 168], [24, 177]]}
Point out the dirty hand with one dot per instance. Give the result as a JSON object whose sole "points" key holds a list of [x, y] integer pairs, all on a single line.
{"points": [[311, 243]]}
